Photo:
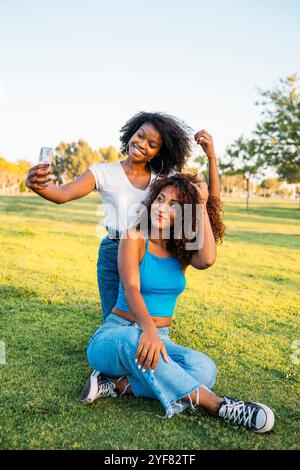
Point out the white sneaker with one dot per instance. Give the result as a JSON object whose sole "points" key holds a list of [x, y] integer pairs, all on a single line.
{"points": [[97, 386], [255, 416]]}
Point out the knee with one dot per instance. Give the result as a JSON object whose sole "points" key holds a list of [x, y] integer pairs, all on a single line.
{"points": [[210, 372], [205, 368], [93, 356]]}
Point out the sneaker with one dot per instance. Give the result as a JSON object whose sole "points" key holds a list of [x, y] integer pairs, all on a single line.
{"points": [[97, 386], [255, 416]]}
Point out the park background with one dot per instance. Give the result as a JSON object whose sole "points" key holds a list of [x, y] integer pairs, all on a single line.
{"points": [[71, 74]]}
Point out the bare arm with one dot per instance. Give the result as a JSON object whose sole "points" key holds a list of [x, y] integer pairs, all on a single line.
{"points": [[207, 252], [204, 139], [213, 176], [128, 265], [205, 256], [38, 178]]}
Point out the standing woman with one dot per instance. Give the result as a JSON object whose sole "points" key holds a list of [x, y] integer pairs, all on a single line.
{"points": [[155, 144]]}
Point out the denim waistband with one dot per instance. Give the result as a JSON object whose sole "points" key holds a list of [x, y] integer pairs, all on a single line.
{"points": [[113, 234], [121, 321]]}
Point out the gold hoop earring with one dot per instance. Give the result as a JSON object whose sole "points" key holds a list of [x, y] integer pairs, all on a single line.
{"points": [[162, 165]]}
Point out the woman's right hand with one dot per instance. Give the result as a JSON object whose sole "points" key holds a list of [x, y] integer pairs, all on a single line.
{"points": [[149, 350], [38, 176]]}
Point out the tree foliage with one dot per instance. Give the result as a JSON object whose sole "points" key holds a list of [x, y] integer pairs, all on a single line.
{"points": [[12, 175], [72, 159], [278, 134]]}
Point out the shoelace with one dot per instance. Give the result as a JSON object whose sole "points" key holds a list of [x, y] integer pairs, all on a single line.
{"points": [[126, 386], [106, 389], [237, 412]]}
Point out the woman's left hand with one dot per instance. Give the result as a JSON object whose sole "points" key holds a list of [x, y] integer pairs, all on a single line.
{"points": [[206, 141]]}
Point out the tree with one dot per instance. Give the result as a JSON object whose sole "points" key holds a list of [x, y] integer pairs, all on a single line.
{"points": [[243, 157], [201, 160], [109, 154], [270, 186], [71, 160], [12, 175], [232, 184], [279, 132]]}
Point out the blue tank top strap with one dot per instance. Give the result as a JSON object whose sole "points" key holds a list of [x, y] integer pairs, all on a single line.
{"points": [[147, 244]]}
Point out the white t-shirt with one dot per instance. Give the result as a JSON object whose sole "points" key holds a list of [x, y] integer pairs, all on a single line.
{"points": [[121, 200]]}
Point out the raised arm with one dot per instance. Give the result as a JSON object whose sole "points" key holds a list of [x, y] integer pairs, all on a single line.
{"points": [[207, 253], [213, 177], [206, 141], [38, 178], [150, 345]]}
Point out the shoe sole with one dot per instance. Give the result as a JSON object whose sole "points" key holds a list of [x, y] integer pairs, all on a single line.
{"points": [[90, 389], [270, 419]]}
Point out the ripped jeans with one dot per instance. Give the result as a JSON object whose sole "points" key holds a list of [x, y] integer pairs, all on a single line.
{"points": [[112, 351]]}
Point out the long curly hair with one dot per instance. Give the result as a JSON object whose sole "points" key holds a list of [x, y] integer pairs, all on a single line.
{"points": [[176, 135], [187, 194]]}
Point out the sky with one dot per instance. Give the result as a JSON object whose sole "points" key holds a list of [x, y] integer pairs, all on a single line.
{"points": [[81, 69]]}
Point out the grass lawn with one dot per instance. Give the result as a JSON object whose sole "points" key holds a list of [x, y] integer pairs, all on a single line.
{"points": [[243, 312]]}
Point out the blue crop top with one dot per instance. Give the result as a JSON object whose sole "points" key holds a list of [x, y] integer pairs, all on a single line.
{"points": [[161, 281]]}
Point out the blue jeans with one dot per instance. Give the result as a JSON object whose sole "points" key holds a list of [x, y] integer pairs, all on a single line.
{"points": [[112, 351], [108, 274]]}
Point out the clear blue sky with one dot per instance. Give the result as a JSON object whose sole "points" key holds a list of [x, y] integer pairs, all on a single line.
{"points": [[80, 69]]}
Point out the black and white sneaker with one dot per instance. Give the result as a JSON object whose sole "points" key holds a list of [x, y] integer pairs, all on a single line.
{"points": [[255, 416], [97, 386]]}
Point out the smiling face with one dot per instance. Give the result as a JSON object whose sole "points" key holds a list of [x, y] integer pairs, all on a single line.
{"points": [[145, 144], [164, 208]]}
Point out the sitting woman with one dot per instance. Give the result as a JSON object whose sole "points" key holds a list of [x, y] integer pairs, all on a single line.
{"points": [[132, 353]]}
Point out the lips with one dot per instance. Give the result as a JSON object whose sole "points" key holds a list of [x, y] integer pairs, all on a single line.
{"points": [[138, 150], [160, 217]]}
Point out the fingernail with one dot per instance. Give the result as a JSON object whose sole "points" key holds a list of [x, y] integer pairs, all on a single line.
{"points": [[136, 361], [152, 371], [143, 370], [139, 366]]}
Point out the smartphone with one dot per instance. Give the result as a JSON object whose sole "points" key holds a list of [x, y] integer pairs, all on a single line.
{"points": [[46, 155]]}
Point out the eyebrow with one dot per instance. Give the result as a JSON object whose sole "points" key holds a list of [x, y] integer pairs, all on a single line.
{"points": [[172, 200], [154, 141]]}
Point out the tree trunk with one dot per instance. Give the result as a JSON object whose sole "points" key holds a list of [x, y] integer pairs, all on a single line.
{"points": [[247, 193]]}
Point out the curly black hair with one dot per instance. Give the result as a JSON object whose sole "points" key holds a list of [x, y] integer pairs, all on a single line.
{"points": [[187, 194], [176, 147]]}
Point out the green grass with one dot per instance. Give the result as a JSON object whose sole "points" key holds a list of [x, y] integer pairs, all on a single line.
{"points": [[243, 312]]}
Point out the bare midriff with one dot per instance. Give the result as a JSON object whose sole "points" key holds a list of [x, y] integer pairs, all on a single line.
{"points": [[159, 322]]}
